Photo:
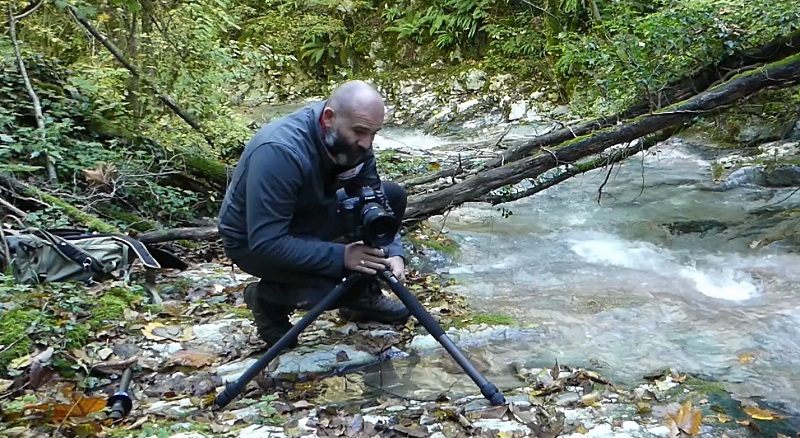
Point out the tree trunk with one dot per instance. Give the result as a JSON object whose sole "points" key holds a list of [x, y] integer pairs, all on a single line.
{"points": [[779, 74], [777, 49]]}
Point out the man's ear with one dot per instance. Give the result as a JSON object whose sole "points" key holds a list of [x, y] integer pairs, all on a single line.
{"points": [[328, 115]]}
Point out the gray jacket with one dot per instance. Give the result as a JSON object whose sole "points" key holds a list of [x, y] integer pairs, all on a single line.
{"points": [[282, 189]]}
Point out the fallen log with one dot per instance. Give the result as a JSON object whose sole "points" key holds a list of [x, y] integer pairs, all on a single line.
{"points": [[187, 233], [783, 73], [779, 48]]}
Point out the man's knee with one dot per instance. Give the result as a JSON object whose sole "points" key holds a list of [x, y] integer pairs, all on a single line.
{"points": [[396, 196]]}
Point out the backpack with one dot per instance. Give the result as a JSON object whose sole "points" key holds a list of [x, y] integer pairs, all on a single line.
{"points": [[36, 256]]}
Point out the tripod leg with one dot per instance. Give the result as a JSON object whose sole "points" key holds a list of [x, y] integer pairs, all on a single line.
{"points": [[488, 389], [232, 390]]}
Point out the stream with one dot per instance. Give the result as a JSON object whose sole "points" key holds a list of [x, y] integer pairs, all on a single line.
{"points": [[611, 287]]}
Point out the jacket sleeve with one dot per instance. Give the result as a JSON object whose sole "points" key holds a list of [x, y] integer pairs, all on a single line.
{"points": [[274, 180], [368, 176]]}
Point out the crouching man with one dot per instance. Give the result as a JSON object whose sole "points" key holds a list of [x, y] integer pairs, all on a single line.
{"points": [[280, 219]]}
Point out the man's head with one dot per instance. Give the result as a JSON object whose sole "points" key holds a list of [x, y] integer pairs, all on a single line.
{"points": [[353, 114]]}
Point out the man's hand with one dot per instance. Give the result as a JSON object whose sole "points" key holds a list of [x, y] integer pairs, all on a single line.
{"points": [[398, 267], [364, 258]]}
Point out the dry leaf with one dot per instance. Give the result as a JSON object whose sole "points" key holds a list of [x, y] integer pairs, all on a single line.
{"points": [[190, 358], [687, 419], [101, 176], [746, 358], [762, 414], [5, 384], [158, 332], [81, 408]]}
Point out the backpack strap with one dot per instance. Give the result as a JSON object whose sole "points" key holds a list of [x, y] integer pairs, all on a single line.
{"points": [[72, 252], [152, 257]]}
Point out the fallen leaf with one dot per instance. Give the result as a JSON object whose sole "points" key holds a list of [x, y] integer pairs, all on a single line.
{"points": [[412, 431], [722, 418], [5, 384], [762, 414], [687, 419], [747, 358], [81, 408], [159, 332], [192, 358], [20, 362]]}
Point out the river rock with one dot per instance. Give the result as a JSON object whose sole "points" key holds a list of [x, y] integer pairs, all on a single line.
{"points": [[794, 133], [780, 175]]}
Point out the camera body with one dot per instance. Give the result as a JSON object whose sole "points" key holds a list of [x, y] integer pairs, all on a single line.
{"points": [[368, 218]]}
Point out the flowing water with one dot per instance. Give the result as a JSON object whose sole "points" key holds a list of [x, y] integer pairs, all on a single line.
{"points": [[610, 286]]}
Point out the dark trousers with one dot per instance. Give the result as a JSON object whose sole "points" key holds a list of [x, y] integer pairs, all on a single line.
{"points": [[303, 292]]}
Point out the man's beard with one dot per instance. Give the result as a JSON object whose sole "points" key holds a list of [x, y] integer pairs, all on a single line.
{"points": [[347, 155]]}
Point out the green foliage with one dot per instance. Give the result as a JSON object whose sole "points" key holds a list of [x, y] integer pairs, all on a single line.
{"points": [[638, 52], [58, 315]]}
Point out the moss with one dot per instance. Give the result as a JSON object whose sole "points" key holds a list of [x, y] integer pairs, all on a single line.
{"points": [[446, 246], [77, 335], [492, 319], [111, 306], [13, 334]]}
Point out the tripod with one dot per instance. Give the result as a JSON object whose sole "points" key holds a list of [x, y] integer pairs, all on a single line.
{"points": [[488, 389]]}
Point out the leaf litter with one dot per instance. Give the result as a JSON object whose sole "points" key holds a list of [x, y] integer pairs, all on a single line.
{"points": [[61, 385]]}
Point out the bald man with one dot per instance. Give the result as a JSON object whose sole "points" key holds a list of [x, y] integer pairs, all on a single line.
{"points": [[280, 221]]}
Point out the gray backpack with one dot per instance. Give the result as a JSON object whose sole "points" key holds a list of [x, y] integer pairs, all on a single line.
{"points": [[38, 256]]}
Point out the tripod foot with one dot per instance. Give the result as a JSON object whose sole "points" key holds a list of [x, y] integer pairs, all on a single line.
{"points": [[494, 395]]}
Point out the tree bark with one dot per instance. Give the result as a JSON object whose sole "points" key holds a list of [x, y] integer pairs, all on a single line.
{"points": [[777, 49], [192, 233], [779, 74]]}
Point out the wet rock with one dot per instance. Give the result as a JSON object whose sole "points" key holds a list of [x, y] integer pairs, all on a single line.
{"points": [[466, 337], [778, 175], [315, 361], [474, 79]]}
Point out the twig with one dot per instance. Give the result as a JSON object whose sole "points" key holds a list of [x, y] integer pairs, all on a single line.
{"points": [[605, 181], [784, 199], [37, 106], [10, 207]]}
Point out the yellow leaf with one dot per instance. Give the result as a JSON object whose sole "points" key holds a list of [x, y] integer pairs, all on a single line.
{"points": [[20, 362], [722, 418], [643, 408], [5, 384], [688, 419], [746, 358], [761, 414], [582, 429]]}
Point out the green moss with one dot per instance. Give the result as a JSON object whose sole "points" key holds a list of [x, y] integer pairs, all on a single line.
{"points": [[111, 306], [13, 334], [77, 335], [492, 319], [447, 246]]}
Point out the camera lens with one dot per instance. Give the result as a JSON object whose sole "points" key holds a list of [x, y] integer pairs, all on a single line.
{"points": [[380, 227]]}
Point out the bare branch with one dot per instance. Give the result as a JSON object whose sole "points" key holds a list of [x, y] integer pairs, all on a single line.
{"points": [[37, 106]]}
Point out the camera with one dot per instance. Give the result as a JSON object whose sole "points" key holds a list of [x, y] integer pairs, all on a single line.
{"points": [[368, 218]]}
